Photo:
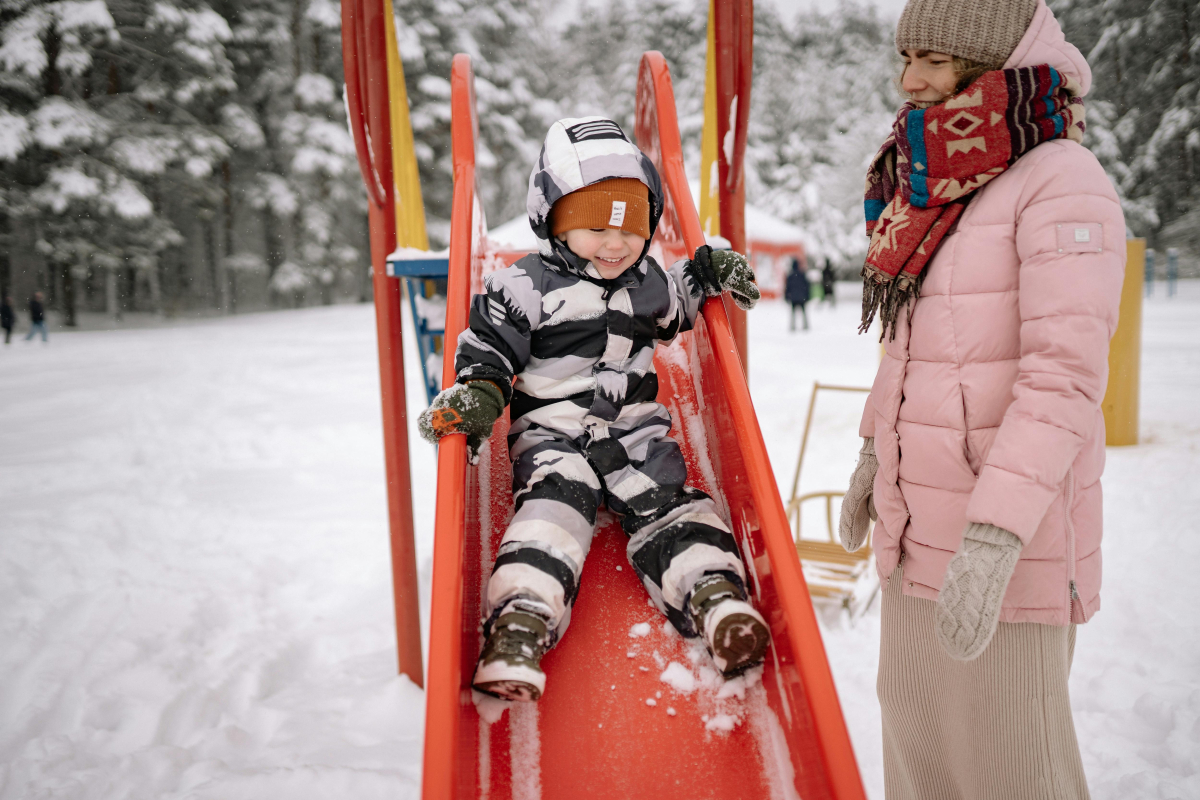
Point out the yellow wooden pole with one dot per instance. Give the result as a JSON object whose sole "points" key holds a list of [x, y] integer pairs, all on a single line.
{"points": [[710, 182], [410, 208], [1125, 354]]}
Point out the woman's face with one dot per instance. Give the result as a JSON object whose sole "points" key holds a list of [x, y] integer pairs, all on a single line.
{"points": [[928, 77]]}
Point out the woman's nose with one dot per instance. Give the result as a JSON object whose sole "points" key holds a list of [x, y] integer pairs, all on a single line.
{"points": [[913, 82]]}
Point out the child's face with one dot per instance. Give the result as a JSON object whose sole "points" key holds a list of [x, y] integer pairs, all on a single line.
{"points": [[610, 250]]}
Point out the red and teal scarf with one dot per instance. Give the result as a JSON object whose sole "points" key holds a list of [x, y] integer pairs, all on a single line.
{"points": [[937, 157]]}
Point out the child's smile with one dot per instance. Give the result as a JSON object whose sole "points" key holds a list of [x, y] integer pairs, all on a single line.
{"points": [[610, 250]]}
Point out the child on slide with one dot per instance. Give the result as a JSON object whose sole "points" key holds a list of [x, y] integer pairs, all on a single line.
{"points": [[576, 325]]}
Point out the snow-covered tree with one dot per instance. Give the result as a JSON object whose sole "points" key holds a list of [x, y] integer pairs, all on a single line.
{"points": [[171, 154], [1144, 108], [298, 168], [162, 122], [824, 100], [597, 67]]}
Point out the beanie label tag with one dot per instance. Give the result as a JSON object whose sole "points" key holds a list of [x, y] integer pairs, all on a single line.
{"points": [[618, 213]]}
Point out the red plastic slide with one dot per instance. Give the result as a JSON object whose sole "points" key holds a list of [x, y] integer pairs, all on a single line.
{"points": [[631, 709]]}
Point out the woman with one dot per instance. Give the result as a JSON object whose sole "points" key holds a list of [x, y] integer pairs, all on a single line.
{"points": [[995, 266]]}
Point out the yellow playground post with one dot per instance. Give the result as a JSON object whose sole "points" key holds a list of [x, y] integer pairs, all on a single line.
{"points": [[710, 181], [1125, 355], [410, 208]]}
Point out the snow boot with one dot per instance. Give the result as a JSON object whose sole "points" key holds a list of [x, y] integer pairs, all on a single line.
{"points": [[736, 634], [509, 666]]}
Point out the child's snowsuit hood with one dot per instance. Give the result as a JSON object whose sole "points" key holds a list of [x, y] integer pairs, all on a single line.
{"points": [[578, 153]]}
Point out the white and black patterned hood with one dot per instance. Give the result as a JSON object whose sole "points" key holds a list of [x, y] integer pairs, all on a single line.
{"points": [[578, 153]]}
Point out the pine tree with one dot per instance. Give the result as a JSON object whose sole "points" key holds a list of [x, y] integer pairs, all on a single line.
{"points": [[1144, 108], [824, 100]]}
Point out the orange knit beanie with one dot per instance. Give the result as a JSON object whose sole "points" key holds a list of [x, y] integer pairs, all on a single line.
{"points": [[622, 203]]}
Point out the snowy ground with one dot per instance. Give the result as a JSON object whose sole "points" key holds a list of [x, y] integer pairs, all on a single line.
{"points": [[194, 597]]}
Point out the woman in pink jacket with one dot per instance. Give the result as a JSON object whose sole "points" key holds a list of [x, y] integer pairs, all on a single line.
{"points": [[995, 265]]}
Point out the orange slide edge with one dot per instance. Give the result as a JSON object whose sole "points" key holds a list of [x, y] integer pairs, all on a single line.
{"points": [[445, 681]]}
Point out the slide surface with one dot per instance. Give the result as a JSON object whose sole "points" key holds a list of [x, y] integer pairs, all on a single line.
{"points": [[631, 709]]}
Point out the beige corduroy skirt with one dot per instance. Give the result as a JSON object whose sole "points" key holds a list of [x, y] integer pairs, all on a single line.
{"points": [[996, 728]]}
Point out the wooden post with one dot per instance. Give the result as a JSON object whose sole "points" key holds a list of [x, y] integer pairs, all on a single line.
{"points": [[1125, 355]]}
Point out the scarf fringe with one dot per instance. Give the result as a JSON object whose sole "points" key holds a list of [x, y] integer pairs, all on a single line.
{"points": [[886, 298]]}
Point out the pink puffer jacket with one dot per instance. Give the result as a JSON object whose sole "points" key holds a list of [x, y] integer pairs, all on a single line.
{"points": [[986, 407]]}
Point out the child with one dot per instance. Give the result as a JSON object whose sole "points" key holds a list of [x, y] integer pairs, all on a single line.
{"points": [[576, 325]]}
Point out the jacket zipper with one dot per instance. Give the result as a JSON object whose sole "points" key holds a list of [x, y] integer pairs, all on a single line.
{"points": [[1072, 591]]}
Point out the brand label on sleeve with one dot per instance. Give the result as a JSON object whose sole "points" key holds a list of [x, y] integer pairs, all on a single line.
{"points": [[1080, 237], [618, 213]]}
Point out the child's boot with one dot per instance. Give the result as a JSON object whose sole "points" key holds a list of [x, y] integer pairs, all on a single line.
{"points": [[736, 634], [510, 664]]}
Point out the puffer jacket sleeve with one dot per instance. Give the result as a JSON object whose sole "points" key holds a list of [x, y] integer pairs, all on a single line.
{"points": [[496, 344], [866, 426], [685, 298], [1070, 238]]}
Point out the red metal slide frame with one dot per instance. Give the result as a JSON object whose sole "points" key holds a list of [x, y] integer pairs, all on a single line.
{"points": [[602, 728], [364, 60], [734, 34]]}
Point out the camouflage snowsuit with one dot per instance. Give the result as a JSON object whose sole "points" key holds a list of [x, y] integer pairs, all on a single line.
{"points": [[586, 428]]}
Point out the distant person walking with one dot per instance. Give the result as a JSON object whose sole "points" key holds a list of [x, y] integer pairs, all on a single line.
{"points": [[796, 293], [7, 318], [37, 318], [827, 284]]}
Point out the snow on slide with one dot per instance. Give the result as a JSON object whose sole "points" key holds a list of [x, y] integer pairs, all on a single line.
{"points": [[629, 706]]}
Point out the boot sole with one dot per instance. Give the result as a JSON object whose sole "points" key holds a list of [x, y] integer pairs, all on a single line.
{"points": [[510, 690], [510, 681], [739, 637]]}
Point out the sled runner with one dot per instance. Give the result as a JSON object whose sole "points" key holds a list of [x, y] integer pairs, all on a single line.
{"points": [[630, 708]]}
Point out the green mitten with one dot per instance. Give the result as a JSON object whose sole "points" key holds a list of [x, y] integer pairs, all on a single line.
{"points": [[471, 408], [725, 271]]}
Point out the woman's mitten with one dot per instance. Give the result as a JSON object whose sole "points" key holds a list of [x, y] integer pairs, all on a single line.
{"points": [[858, 508], [719, 271], [968, 607], [471, 408]]}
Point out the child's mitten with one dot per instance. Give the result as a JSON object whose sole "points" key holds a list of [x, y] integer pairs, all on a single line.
{"points": [[724, 271], [471, 408], [968, 608], [858, 508]]}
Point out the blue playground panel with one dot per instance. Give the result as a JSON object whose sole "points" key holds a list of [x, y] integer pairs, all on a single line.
{"points": [[426, 278]]}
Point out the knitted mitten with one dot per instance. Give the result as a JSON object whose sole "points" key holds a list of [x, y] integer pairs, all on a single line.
{"points": [[471, 408], [858, 506], [719, 271], [968, 607]]}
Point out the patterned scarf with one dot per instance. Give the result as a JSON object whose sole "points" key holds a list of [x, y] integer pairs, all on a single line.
{"points": [[937, 157]]}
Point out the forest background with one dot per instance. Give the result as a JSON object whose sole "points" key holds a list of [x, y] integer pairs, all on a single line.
{"points": [[178, 157]]}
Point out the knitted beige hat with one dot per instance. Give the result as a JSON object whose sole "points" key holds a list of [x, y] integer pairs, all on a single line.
{"points": [[986, 31]]}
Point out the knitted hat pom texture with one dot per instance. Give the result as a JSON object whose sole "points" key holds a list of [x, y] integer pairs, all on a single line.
{"points": [[986, 31]]}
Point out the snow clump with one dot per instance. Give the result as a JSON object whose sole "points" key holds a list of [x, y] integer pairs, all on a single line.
{"points": [[679, 678]]}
